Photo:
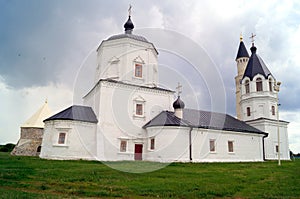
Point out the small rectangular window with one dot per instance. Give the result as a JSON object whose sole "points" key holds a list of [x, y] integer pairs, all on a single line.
{"points": [[152, 143], [230, 146], [123, 146], [212, 145], [248, 111], [276, 148], [61, 138], [247, 86], [138, 70], [273, 110], [139, 109]]}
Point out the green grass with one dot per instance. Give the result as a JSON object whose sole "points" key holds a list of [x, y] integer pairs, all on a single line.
{"points": [[31, 177]]}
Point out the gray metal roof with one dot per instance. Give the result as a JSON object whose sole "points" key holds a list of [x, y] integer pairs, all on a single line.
{"points": [[202, 119], [242, 51], [166, 118], [76, 113], [256, 66], [131, 36]]}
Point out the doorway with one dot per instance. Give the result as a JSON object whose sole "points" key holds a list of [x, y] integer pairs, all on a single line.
{"points": [[138, 152]]}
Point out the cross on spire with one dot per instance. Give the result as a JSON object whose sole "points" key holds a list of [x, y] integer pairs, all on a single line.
{"points": [[252, 38], [179, 89], [129, 10]]}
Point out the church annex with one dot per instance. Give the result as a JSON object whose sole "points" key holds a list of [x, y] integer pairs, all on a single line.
{"points": [[127, 116]]}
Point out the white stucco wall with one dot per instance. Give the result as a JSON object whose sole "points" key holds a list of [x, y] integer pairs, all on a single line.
{"points": [[79, 142], [270, 127], [172, 144], [260, 102], [247, 146], [114, 104], [117, 58]]}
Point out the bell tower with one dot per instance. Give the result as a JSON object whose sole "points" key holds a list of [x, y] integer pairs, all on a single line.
{"points": [[259, 106], [241, 62]]}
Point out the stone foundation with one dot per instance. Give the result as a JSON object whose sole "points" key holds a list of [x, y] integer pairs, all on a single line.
{"points": [[29, 143]]}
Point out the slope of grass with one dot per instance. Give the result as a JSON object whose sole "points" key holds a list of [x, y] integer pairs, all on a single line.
{"points": [[31, 177]]}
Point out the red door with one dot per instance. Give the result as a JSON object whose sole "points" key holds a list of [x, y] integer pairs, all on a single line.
{"points": [[138, 152]]}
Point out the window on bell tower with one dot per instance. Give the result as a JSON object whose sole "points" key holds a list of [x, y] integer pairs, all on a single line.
{"points": [[270, 85], [273, 110], [259, 84], [247, 88], [248, 111]]}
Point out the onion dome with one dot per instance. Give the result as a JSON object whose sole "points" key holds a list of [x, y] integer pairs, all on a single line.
{"points": [[128, 26], [178, 104]]}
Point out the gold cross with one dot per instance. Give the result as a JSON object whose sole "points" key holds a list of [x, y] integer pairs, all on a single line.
{"points": [[179, 89]]}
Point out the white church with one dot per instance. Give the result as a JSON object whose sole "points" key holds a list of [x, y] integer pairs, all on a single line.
{"points": [[127, 116]]}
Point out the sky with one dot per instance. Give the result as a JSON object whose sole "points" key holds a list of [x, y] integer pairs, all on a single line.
{"points": [[44, 45]]}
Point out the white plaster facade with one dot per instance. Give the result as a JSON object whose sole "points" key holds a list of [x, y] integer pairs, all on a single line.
{"points": [[114, 104], [116, 59], [172, 144], [79, 140], [271, 142], [124, 100]]}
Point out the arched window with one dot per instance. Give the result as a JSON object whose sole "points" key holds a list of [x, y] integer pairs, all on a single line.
{"points": [[259, 84], [247, 88], [273, 110], [270, 85], [38, 150]]}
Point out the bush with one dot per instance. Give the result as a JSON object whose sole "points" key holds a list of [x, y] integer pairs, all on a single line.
{"points": [[7, 148]]}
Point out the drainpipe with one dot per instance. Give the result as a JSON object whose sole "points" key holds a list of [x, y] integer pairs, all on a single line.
{"points": [[263, 140], [190, 143]]}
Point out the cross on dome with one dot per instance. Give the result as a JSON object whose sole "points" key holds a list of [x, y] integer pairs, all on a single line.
{"points": [[179, 89], [129, 10], [129, 25], [252, 38]]}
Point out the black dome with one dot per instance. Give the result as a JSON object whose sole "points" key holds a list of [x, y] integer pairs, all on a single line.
{"points": [[178, 104], [128, 26]]}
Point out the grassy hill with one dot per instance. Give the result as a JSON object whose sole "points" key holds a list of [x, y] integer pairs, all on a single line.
{"points": [[31, 177]]}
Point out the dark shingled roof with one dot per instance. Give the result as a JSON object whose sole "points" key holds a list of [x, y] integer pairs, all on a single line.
{"points": [[242, 51], [256, 66], [202, 119], [166, 118], [77, 113]]}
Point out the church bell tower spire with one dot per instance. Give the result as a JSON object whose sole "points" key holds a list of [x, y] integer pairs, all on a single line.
{"points": [[241, 61]]}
